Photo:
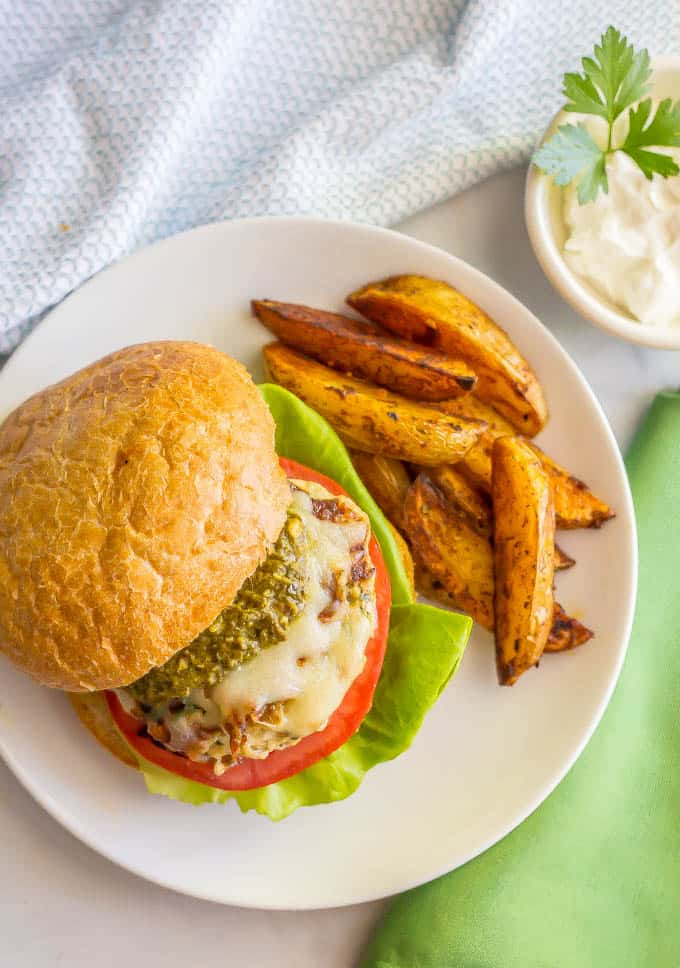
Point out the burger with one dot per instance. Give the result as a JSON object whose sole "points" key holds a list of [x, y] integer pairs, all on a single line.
{"points": [[217, 613]]}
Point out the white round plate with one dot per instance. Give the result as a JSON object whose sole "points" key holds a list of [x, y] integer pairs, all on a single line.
{"points": [[457, 790]]}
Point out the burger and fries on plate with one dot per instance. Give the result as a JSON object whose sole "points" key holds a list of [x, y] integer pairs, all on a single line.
{"points": [[198, 565]]}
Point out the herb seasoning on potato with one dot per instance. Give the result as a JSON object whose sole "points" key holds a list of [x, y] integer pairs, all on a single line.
{"points": [[524, 557], [438, 408]]}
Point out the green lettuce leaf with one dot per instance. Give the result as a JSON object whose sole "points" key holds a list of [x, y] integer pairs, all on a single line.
{"points": [[303, 435], [424, 648]]}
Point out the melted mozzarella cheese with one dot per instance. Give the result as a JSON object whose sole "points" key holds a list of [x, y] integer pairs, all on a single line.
{"points": [[289, 690], [312, 669]]}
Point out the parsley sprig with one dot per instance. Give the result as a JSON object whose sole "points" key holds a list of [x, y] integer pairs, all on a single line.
{"points": [[614, 79]]}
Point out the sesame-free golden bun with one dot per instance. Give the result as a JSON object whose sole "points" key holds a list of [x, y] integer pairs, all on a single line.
{"points": [[92, 710], [136, 497]]}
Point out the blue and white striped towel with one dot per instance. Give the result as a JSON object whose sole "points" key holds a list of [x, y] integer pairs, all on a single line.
{"points": [[123, 121]]}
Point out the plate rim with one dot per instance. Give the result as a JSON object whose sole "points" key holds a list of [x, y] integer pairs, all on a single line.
{"points": [[45, 799]]}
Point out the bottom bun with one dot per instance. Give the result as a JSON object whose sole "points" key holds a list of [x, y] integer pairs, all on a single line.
{"points": [[93, 712]]}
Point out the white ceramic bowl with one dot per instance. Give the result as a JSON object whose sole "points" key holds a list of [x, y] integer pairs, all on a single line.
{"points": [[543, 213]]}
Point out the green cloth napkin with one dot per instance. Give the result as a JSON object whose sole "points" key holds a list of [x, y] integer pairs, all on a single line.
{"points": [[592, 878]]}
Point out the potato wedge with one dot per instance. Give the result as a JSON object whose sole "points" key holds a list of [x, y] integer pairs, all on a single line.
{"points": [[406, 557], [474, 505], [428, 586], [366, 351], [566, 632], [524, 557], [451, 550], [435, 314], [386, 479], [476, 465], [371, 419], [575, 505], [563, 560]]}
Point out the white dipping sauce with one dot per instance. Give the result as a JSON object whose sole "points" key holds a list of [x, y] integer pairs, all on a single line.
{"points": [[626, 244]]}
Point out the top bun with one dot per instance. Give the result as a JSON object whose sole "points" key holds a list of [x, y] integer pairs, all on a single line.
{"points": [[136, 497]]}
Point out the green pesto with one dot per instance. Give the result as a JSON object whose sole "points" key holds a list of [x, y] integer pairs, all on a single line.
{"points": [[258, 617]]}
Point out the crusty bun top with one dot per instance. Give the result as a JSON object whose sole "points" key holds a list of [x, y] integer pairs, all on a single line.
{"points": [[136, 497]]}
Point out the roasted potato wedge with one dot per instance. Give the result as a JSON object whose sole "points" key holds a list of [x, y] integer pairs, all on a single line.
{"points": [[435, 314], [563, 560], [428, 586], [566, 632], [406, 557], [575, 505], [451, 550], [524, 557], [371, 419], [388, 481], [457, 491], [365, 351], [476, 465], [476, 506]]}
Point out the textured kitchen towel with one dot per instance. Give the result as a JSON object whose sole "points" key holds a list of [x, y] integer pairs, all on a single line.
{"points": [[124, 121], [592, 878]]}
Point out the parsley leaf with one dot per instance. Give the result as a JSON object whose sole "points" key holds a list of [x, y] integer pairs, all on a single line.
{"points": [[610, 82], [594, 179], [615, 78], [572, 153], [663, 129], [583, 96], [635, 84]]}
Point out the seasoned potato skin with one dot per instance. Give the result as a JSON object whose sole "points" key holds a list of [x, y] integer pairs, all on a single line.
{"points": [[524, 557], [433, 313], [472, 503], [406, 557], [362, 349], [388, 481], [563, 560], [429, 587], [566, 632], [372, 419], [428, 385], [476, 505], [476, 465], [457, 556], [575, 505]]}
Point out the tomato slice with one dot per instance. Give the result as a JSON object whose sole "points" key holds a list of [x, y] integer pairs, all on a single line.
{"points": [[344, 722]]}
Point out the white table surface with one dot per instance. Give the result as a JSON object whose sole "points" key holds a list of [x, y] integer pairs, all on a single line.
{"points": [[63, 905]]}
